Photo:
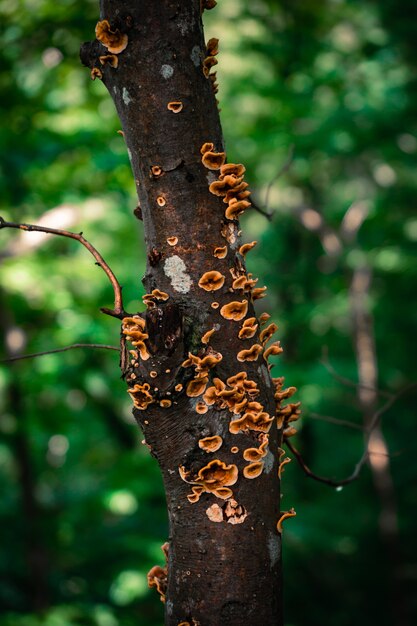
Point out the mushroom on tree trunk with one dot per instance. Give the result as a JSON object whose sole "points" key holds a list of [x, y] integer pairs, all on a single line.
{"points": [[224, 557]]}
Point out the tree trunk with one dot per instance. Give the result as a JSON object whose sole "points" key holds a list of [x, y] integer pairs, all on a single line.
{"points": [[224, 546]]}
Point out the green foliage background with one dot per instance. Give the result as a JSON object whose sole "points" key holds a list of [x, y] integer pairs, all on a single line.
{"points": [[337, 79]]}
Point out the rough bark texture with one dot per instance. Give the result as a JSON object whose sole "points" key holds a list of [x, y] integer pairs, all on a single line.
{"points": [[219, 572]]}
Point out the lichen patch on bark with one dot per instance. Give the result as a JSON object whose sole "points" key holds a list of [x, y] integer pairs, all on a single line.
{"points": [[175, 269]]}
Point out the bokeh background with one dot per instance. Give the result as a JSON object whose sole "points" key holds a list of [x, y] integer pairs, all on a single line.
{"points": [[328, 88]]}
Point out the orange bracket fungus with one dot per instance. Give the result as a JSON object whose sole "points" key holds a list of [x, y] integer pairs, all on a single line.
{"points": [[252, 420], [211, 444], [156, 171], [236, 208], [273, 350], [206, 337], [113, 40], [259, 292], [96, 73], [234, 310], [215, 305], [253, 470], [250, 355], [243, 250], [249, 328], [212, 49], [165, 404], [109, 59], [210, 159], [284, 516], [208, 4], [133, 328], [201, 408], [157, 578], [256, 454], [161, 201], [267, 333], [140, 396], [220, 252], [172, 241], [282, 465], [211, 281], [214, 478], [175, 106], [263, 318]]}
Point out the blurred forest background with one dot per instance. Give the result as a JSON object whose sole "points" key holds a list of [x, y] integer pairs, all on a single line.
{"points": [[81, 501]]}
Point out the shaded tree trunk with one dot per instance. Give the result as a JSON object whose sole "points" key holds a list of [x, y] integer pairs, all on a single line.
{"points": [[224, 546]]}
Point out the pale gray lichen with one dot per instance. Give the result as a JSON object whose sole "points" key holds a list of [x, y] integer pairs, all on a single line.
{"points": [[268, 462], [176, 270], [196, 55], [126, 96], [167, 71], [274, 547]]}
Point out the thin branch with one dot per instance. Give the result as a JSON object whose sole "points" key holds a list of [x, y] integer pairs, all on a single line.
{"points": [[284, 168], [20, 357], [365, 455], [335, 420], [118, 310], [346, 381]]}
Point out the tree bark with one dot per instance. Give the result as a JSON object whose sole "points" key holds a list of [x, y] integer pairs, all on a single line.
{"points": [[227, 571]]}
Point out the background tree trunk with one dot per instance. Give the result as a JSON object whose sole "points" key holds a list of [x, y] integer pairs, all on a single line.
{"points": [[225, 572]]}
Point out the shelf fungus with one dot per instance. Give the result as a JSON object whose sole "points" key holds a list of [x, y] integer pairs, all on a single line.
{"points": [[207, 335], [253, 470], [157, 578], [273, 350], [256, 454], [249, 328], [284, 516], [282, 465], [212, 49], [208, 4], [133, 328], [236, 208], [161, 201], [141, 396], [196, 387], [259, 292], [175, 107], [109, 59], [96, 73], [246, 247], [216, 477], [201, 408], [220, 252], [251, 420], [165, 403], [156, 171], [234, 310], [252, 354], [211, 281], [210, 159], [287, 414], [172, 241], [211, 444], [263, 318], [267, 333], [113, 40]]}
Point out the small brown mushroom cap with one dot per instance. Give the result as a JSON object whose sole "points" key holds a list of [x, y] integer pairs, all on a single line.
{"points": [[220, 252], [263, 318], [213, 160], [284, 516], [243, 250], [211, 281], [175, 106], [250, 355], [253, 470], [111, 59], [234, 310], [96, 73], [201, 408], [236, 208], [206, 337], [211, 444], [267, 333], [113, 40], [212, 47], [273, 350]]}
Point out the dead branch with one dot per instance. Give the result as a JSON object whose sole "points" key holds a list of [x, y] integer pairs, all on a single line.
{"points": [[73, 346], [118, 310]]}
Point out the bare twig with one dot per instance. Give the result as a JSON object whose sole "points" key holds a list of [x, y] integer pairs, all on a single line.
{"points": [[118, 310], [346, 381], [335, 420], [20, 357], [365, 455], [284, 168]]}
